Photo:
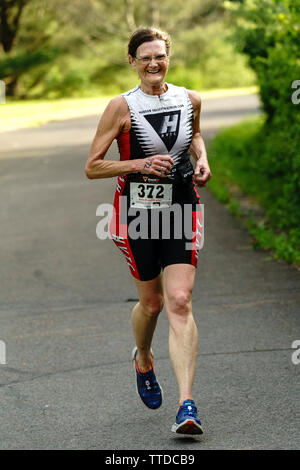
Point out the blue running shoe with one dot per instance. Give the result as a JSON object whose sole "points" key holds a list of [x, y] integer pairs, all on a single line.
{"points": [[147, 386], [187, 421]]}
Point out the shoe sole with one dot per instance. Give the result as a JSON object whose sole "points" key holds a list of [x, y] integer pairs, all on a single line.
{"points": [[189, 426], [136, 388]]}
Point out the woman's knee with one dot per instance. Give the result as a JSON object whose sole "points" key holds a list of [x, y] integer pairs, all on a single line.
{"points": [[153, 305], [179, 303]]}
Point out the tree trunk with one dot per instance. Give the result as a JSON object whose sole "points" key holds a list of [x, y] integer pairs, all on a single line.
{"points": [[11, 86], [10, 22], [10, 14]]}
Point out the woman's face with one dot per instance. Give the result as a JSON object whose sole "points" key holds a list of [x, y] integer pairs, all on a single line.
{"points": [[151, 62]]}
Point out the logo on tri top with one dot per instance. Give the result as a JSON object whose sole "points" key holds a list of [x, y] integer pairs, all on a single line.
{"points": [[148, 179], [166, 125]]}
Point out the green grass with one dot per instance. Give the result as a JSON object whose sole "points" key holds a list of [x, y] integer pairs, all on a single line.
{"points": [[19, 114], [235, 160]]}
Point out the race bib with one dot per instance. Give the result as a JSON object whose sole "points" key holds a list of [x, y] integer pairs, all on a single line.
{"points": [[150, 195]]}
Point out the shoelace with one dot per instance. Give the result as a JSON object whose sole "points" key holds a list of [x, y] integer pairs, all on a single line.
{"points": [[150, 381], [189, 409]]}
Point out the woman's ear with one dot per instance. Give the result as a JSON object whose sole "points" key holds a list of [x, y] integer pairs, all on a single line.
{"points": [[131, 60]]}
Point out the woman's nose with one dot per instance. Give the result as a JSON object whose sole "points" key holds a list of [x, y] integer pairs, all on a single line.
{"points": [[153, 61]]}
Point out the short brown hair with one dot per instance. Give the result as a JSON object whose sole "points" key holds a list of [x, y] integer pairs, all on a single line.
{"points": [[147, 35]]}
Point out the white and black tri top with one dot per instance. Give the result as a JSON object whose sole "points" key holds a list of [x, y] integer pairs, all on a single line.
{"points": [[160, 125]]}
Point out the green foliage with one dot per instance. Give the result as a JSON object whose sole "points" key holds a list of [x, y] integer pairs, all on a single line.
{"points": [[92, 36], [241, 156], [283, 245], [23, 62], [263, 157], [268, 32], [204, 58]]}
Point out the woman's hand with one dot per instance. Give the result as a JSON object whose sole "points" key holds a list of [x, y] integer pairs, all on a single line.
{"points": [[202, 172], [159, 165]]}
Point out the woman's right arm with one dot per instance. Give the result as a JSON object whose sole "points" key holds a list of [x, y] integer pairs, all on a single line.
{"points": [[110, 126]]}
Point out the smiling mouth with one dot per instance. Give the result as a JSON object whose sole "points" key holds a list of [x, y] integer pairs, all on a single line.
{"points": [[153, 72]]}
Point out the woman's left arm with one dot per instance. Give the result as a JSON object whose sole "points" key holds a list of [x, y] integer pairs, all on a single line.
{"points": [[197, 149]]}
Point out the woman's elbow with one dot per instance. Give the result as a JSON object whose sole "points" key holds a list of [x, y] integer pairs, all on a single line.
{"points": [[89, 172]]}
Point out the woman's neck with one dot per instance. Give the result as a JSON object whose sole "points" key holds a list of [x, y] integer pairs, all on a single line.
{"points": [[154, 90]]}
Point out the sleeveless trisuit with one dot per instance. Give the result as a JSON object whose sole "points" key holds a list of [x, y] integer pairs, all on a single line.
{"points": [[157, 221]]}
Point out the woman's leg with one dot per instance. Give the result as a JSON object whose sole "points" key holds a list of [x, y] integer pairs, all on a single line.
{"points": [[183, 333], [144, 318]]}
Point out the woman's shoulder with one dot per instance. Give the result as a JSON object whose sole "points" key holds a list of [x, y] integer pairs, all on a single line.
{"points": [[194, 97], [192, 94], [132, 91], [117, 105]]}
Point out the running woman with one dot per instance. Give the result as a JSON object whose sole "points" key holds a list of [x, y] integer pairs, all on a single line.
{"points": [[157, 125]]}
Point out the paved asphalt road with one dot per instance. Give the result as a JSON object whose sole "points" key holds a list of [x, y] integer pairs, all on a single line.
{"points": [[66, 299]]}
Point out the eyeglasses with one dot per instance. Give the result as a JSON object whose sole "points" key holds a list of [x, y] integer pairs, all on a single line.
{"points": [[158, 58]]}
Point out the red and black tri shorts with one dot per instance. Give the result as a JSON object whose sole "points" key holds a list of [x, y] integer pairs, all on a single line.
{"points": [[153, 238]]}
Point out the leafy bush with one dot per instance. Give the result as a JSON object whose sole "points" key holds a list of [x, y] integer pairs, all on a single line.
{"points": [[239, 156], [265, 159], [268, 32]]}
